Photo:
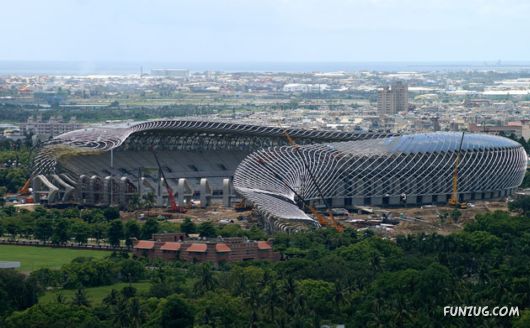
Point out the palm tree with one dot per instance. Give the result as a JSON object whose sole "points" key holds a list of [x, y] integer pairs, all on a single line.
{"points": [[135, 202], [149, 201], [80, 297], [136, 314]]}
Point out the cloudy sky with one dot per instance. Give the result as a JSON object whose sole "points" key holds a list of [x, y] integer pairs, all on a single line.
{"points": [[265, 30]]}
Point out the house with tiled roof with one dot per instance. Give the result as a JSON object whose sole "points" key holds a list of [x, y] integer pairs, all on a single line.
{"points": [[174, 246]]}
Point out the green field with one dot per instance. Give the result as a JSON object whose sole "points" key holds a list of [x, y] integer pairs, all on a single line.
{"points": [[95, 294], [34, 258]]}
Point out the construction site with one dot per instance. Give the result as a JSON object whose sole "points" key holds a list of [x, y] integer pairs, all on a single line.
{"points": [[284, 179]]}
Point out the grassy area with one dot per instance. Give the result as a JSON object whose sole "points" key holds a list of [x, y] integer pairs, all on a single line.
{"points": [[34, 258], [95, 294]]}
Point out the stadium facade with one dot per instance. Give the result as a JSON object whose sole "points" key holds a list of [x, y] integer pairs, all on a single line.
{"points": [[393, 171], [108, 165], [208, 160]]}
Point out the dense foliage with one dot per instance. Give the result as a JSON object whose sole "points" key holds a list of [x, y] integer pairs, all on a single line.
{"points": [[14, 164], [74, 225], [353, 278]]}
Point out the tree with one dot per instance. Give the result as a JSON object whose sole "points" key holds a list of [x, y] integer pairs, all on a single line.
{"points": [[188, 226], [177, 313], [136, 313], [16, 292], [80, 231], [53, 315], [149, 201], [43, 229], [61, 232], [115, 233], [12, 227], [132, 230], [455, 215], [206, 281], [207, 229], [135, 202], [80, 298], [520, 204], [220, 309], [99, 230], [149, 228], [111, 213]]}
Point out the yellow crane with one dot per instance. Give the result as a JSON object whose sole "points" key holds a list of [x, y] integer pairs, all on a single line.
{"points": [[453, 201]]}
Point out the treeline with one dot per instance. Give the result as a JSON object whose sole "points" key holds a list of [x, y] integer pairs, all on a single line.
{"points": [[353, 278], [102, 225], [18, 114]]}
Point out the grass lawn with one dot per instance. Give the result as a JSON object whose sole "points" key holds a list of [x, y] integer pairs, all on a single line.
{"points": [[34, 258], [95, 294]]}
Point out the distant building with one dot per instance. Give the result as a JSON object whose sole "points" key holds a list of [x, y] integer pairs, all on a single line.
{"points": [[171, 72], [53, 127], [393, 99], [176, 246], [518, 128], [305, 87]]}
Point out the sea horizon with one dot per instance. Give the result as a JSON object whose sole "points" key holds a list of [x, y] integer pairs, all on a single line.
{"points": [[20, 67]]}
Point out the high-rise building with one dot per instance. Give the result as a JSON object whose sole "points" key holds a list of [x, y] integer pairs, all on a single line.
{"points": [[393, 99]]}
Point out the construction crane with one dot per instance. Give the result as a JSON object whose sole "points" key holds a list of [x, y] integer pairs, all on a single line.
{"points": [[25, 188], [172, 203], [453, 201], [330, 220]]}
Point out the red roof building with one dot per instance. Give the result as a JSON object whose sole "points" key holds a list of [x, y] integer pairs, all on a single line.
{"points": [[215, 251]]}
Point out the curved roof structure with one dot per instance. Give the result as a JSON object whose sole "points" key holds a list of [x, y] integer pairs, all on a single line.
{"points": [[111, 137], [418, 165]]}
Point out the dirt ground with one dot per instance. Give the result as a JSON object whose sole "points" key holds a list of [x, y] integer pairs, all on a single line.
{"points": [[411, 220], [427, 218], [215, 213]]}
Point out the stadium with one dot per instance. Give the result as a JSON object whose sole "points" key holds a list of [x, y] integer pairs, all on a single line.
{"points": [[402, 170], [108, 165], [211, 161]]}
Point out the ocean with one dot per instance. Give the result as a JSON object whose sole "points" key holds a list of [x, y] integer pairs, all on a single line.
{"points": [[126, 68]]}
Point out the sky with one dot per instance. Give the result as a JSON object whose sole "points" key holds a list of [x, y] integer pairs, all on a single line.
{"points": [[265, 30]]}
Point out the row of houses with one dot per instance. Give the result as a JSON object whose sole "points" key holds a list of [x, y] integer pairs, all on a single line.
{"points": [[176, 246]]}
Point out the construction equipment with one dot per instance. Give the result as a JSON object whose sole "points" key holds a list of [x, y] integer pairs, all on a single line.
{"points": [[25, 188], [330, 220], [453, 201], [172, 203], [242, 206]]}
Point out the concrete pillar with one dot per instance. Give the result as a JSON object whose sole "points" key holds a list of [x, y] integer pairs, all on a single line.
{"points": [[227, 193], [206, 192]]}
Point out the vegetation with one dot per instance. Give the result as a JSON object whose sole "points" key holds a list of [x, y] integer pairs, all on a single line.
{"points": [[353, 278], [14, 164], [95, 295], [35, 258], [96, 225]]}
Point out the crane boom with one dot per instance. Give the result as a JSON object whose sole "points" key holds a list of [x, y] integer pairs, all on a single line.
{"points": [[453, 201], [170, 195]]}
